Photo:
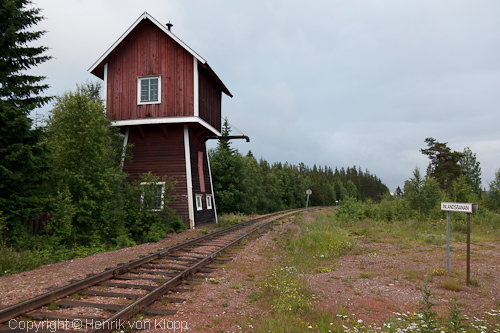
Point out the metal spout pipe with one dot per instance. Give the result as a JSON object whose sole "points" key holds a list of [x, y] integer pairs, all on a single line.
{"points": [[225, 137]]}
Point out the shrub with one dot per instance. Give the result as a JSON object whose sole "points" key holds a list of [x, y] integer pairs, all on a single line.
{"points": [[12, 261], [350, 210]]}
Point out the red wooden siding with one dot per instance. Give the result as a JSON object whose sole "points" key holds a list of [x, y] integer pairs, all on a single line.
{"points": [[148, 51], [210, 96], [164, 156]]}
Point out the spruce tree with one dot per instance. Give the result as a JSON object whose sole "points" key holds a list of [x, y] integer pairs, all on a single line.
{"points": [[17, 55], [230, 183], [22, 157], [471, 169]]}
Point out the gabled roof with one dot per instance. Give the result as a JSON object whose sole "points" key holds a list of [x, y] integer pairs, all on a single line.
{"points": [[97, 67]]}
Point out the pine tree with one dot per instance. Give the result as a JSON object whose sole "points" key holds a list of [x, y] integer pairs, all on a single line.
{"points": [[23, 159], [444, 166]]}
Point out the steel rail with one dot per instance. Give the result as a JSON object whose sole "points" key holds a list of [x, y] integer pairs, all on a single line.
{"points": [[112, 323], [18, 309]]}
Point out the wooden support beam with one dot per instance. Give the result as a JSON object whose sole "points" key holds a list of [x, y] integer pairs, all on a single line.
{"points": [[198, 134]]}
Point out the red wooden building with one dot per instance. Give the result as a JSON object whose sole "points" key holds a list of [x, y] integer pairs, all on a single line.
{"points": [[166, 100]]}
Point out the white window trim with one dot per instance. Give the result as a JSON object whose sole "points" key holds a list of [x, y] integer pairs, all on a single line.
{"points": [[196, 86], [199, 202], [139, 80], [105, 99], [162, 205], [209, 201]]}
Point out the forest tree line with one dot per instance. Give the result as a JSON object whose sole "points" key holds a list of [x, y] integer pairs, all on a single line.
{"points": [[246, 185]]}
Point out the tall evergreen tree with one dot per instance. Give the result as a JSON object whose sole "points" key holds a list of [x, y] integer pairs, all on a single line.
{"points": [[229, 180], [494, 194], [471, 169], [413, 190], [422, 193], [17, 55], [444, 166], [22, 157], [399, 193]]}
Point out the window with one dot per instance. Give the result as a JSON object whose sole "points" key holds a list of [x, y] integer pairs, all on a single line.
{"points": [[149, 90], [209, 201], [199, 202], [153, 196]]}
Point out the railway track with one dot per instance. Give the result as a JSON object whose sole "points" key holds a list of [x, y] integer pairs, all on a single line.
{"points": [[117, 294]]}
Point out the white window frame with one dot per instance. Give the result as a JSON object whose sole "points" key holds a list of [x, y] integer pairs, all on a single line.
{"points": [[209, 201], [199, 202], [139, 90], [162, 195]]}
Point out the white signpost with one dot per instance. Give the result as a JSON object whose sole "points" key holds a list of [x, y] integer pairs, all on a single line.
{"points": [[308, 192], [463, 208]]}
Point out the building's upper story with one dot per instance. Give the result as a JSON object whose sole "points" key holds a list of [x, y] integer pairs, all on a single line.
{"points": [[152, 77]]}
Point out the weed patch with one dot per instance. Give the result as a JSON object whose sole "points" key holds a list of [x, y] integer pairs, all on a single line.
{"points": [[227, 220], [438, 272], [323, 270], [286, 289], [452, 283], [317, 241]]}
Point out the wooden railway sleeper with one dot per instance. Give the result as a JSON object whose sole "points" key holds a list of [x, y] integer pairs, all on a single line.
{"points": [[41, 300]]}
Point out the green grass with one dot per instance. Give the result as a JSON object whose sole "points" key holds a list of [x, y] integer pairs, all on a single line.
{"points": [[227, 220], [12, 261], [316, 242], [287, 290], [291, 323], [453, 283], [313, 248]]}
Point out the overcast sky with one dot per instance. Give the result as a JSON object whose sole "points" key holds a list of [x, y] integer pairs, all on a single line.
{"points": [[337, 83]]}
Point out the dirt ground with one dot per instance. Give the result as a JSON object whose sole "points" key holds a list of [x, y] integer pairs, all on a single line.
{"points": [[382, 279], [387, 279]]}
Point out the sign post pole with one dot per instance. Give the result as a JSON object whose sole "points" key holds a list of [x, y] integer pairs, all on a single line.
{"points": [[468, 249], [308, 192], [448, 242]]}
